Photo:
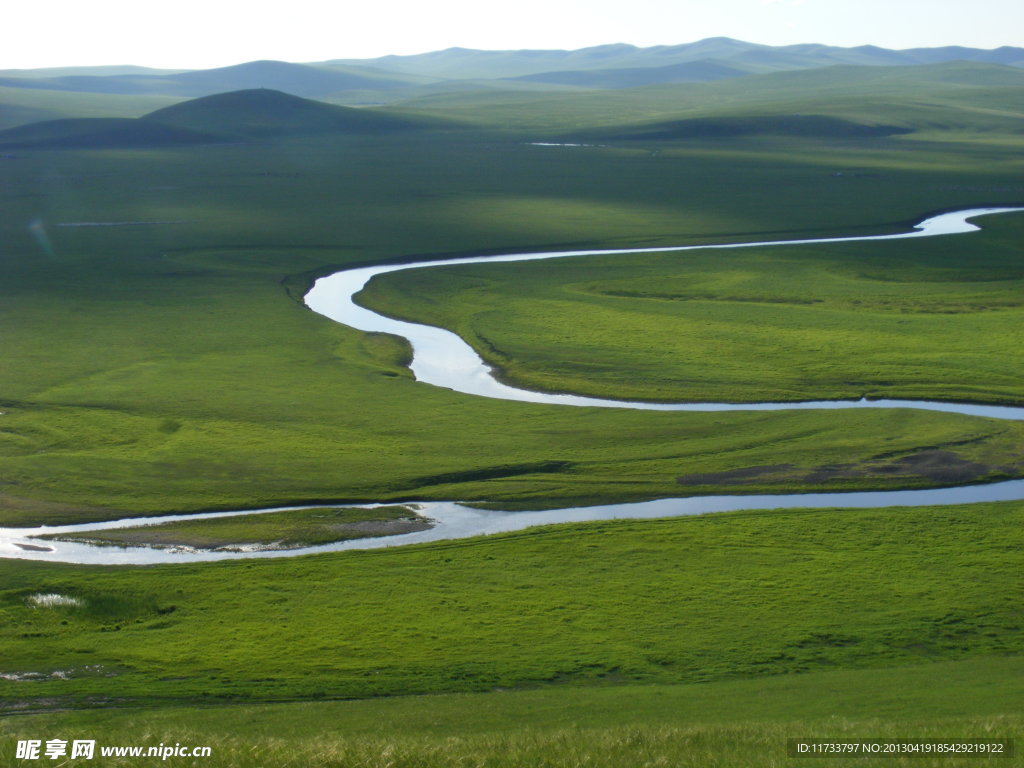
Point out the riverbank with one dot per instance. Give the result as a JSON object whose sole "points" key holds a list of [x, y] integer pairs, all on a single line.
{"points": [[247, 533], [444, 359]]}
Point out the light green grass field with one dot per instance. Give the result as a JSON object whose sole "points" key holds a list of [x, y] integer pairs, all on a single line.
{"points": [[743, 722], [933, 318]]}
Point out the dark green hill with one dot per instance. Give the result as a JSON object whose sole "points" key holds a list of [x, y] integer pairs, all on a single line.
{"points": [[100, 133], [265, 113], [225, 117]]}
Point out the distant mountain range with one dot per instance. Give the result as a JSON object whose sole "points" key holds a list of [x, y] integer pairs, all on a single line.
{"points": [[392, 78], [714, 56], [715, 88]]}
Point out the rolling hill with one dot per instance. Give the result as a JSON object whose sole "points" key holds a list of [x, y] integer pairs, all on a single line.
{"points": [[389, 79], [263, 113], [948, 96], [234, 116]]}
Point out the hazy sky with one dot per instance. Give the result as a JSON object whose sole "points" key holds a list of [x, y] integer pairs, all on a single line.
{"points": [[208, 33]]}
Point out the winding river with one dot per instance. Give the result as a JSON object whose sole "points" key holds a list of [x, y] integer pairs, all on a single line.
{"points": [[443, 359]]}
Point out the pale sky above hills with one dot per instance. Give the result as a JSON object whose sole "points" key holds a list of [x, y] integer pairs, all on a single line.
{"points": [[195, 34]]}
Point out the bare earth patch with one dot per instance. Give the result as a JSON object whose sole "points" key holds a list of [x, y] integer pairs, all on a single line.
{"points": [[941, 466]]}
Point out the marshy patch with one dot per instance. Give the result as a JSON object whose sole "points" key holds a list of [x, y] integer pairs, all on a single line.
{"points": [[941, 466]]}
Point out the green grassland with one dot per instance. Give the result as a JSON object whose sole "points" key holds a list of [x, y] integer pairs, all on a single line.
{"points": [[275, 530], [929, 99], [933, 318], [743, 722], [163, 361], [170, 366], [680, 600]]}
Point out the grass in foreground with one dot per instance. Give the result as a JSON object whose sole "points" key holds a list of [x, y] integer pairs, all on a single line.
{"points": [[668, 601], [744, 722], [273, 530]]}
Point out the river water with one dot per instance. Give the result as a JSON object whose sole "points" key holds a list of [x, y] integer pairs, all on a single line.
{"points": [[443, 359]]}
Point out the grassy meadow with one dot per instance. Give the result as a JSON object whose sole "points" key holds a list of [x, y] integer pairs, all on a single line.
{"points": [[740, 722], [157, 357], [955, 97], [711, 638], [932, 318], [167, 363]]}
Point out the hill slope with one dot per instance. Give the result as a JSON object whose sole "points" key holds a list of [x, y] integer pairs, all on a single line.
{"points": [[949, 96], [262, 113], [100, 133], [20, 106], [234, 116]]}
